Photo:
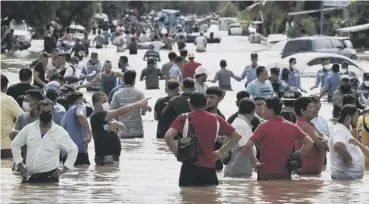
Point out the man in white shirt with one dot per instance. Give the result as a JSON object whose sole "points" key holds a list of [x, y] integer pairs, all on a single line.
{"points": [[238, 165], [70, 75], [347, 160], [201, 75], [200, 43], [156, 43], [44, 140]]}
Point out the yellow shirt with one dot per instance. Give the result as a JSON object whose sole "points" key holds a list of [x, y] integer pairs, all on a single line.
{"points": [[10, 110], [363, 134]]}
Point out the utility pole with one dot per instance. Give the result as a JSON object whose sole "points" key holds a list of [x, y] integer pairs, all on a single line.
{"points": [[321, 17]]}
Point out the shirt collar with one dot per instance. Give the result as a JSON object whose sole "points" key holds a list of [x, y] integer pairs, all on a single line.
{"points": [[245, 119]]}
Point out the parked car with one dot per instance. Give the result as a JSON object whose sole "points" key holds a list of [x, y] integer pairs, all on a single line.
{"points": [[327, 44], [273, 52], [23, 34], [235, 29], [309, 63]]}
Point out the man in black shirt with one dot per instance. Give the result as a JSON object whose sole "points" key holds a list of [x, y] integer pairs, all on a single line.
{"points": [[19, 89], [289, 99], [172, 89], [39, 71], [78, 49], [104, 128]]}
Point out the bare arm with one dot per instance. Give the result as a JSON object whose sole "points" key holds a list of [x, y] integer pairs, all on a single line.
{"points": [[84, 122], [169, 139], [92, 83], [156, 115], [125, 109], [231, 142], [307, 145], [37, 79], [341, 150], [363, 148], [236, 77]]}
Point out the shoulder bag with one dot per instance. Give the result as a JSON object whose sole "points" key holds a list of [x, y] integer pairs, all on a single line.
{"points": [[188, 145]]}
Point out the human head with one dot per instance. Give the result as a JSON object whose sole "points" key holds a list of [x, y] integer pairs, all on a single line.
{"points": [[133, 39], [45, 110], [366, 79], [304, 107], [325, 62], [172, 56], [74, 60], [292, 62], [77, 41], [54, 53], [348, 99], [130, 77], [94, 57], [191, 57], [123, 60], [223, 64], [62, 59], [31, 99], [100, 101], [247, 107], [335, 68], [201, 33], [99, 32], [179, 61], [241, 95], [261, 73], [272, 107], [348, 115], [201, 74], [259, 103], [197, 101], [75, 97], [107, 66], [188, 85], [25, 75], [317, 104], [172, 87], [151, 47], [344, 66], [290, 97], [66, 89], [274, 73], [44, 57], [183, 53], [4, 83], [52, 90], [214, 95], [254, 58], [354, 83], [345, 83], [67, 30]]}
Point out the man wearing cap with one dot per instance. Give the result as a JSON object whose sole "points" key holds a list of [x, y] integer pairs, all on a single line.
{"points": [[322, 74], [250, 71], [291, 75], [52, 93], [354, 82], [151, 75], [10, 111], [289, 99], [332, 82], [190, 67], [40, 70], [200, 43], [279, 86], [345, 70], [201, 75], [91, 70], [261, 87], [152, 53], [364, 86]]}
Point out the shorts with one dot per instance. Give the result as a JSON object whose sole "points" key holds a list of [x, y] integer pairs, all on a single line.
{"points": [[82, 159], [46, 177], [193, 175]]}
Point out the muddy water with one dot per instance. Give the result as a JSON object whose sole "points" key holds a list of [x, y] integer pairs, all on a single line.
{"points": [[148, 172]]}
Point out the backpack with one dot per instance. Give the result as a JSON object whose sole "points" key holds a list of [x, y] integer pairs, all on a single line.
{"points": [[62, 73]]}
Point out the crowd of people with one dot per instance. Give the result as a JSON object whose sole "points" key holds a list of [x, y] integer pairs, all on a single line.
{"points": [[49, 121]]}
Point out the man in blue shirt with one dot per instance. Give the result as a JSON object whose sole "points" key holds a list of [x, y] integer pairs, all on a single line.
{"points": [[291, 75], [331, 83], [261, 87], [52, 93], [176, 71], [250, 71], [322, 74]]}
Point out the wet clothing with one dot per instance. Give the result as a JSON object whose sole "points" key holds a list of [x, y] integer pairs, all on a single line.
{"points": [[289, 116], [332, 82], [19, 89], [320, 78], [255, 122], [291, 76], [337, 100], [165, 70], [108, 83], [249, 73], [163, 122], [49, 43], [181, 44], [99, 41], [45, 177], [279, 87], [321, 124], [218, 145], [194, 175], [260, 89], [189, 69], [132, 47], [91, 71], [152, 54], [364, 89], [39, 68], [112, 92], [106, 35], [224, 77], [79, 50], [151, 74], [176, 73], [106, 143]]}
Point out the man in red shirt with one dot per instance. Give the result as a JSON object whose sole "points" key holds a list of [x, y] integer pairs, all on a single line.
{"points": [[313, 162], [190, 67], [202, 172], [277, 138]]}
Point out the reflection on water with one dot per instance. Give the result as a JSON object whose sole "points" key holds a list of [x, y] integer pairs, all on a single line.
{"points": [[148, 172]]}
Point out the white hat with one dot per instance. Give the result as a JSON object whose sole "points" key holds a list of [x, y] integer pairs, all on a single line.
{"points": [[200, 70]]}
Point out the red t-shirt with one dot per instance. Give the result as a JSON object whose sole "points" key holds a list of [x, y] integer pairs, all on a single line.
{"points": [[205, 126], [313, 162], [277, 137], [189, 69]]}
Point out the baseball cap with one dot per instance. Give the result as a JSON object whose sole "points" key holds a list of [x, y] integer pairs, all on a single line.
{"points": [[198, 99], [344, 64], [53, 86], [93, 54], [191, 55], [200, 70], [291, 95], [345, 77], [275, 70], [254, 55]]}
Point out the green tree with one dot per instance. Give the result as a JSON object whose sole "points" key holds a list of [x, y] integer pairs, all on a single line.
{"points": [[228, 9], [80, 12]]}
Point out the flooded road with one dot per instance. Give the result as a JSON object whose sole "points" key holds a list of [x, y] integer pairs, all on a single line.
{"points": [[148, 172]]}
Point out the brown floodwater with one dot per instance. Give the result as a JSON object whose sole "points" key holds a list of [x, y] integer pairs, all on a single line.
{"points": [[148, 172]]}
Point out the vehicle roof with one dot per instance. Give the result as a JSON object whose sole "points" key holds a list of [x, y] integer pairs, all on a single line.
{"points": [[314, 37], [308, 56]]}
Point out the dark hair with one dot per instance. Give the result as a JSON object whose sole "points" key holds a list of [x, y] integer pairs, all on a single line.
{"points": [[172, 56], [156, 37], [188, 83], [215, 90], [45, 102], [288, 103], [183, 53], [56, 76], [96, 96], [4, 81], [129, 76], [35, 93], [242, 94], [336, 68], [73, 96], [172, 84], [301, 104], [178, 59], [124, 59], [314, 99], [259, 98], [67, 30], [275, 104], [348, 99], [347, 110], [25, 74], [198, 100], [223, 63], [62, 55], [99, 32], [291, 60], [259, 70], [68, 57], [246, 106]]}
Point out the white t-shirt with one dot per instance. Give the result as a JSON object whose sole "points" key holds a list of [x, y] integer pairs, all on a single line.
{"points": [[341, 134], [157, 45], [243, 127], [143, 38], [200, 42]]}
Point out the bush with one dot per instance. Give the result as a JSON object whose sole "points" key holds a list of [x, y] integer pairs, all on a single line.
{"points": [[306, 23]]}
